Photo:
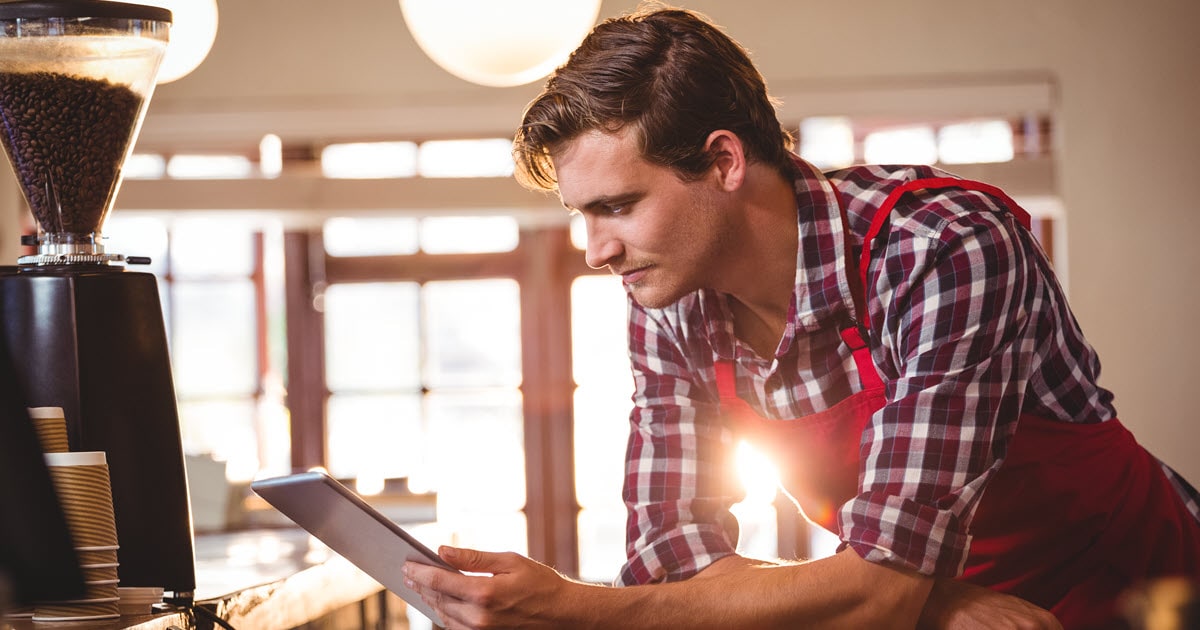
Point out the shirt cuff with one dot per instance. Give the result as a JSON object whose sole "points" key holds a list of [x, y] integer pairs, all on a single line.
{"points": [[676, 556], [900, 531]]}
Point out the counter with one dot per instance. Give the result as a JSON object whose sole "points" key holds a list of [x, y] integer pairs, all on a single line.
{"points": [[275, 579]]}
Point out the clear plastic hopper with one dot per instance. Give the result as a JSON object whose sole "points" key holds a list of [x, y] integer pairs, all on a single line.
{"points": [[75, 79]]}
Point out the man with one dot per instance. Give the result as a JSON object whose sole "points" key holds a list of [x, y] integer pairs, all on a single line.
{"points": [[893, 336]]}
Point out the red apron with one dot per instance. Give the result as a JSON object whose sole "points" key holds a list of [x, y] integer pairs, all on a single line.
{"points": [[1075, 515]]}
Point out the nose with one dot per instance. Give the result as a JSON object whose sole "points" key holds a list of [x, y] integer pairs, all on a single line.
{"points": [[602, 247]]}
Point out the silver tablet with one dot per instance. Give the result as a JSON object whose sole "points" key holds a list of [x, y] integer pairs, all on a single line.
{"points": [[342, 520]]}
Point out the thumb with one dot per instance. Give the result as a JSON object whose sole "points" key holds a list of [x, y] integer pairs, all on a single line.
{"points": [[472, 560]]}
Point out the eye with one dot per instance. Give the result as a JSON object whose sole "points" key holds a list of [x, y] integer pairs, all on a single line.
{"points": [[615, 209]]}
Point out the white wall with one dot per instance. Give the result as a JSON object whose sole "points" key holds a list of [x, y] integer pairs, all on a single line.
{"points": [[1131, 94], [1127, 77]]}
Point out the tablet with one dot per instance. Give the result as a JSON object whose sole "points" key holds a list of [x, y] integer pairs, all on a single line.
{"points": [[342, 520]]}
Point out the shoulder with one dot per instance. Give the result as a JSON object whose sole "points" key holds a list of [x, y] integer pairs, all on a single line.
{"points": [[939, 213]]}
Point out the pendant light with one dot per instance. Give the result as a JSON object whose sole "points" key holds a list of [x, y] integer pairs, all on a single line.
{"points": [[499, 43], [193, 31]]}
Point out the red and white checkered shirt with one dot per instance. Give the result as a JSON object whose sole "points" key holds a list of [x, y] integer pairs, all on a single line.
{"points": [[969, 329]]}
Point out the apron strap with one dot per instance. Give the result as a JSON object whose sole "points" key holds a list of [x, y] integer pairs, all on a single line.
{"points": [[855, 335], [868, 374], [727, 387], [885, 210]]}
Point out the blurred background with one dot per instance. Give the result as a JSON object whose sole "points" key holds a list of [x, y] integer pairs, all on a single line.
{"points": [[352, 280]]}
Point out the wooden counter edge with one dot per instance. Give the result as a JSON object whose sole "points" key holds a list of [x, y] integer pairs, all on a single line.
{"points": [[297, 599]]}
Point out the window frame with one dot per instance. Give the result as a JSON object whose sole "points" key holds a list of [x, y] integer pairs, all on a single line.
{"points": [[544, 264]]}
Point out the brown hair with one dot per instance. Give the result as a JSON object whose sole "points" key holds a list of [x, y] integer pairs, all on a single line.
{"points": [[669, 72]]}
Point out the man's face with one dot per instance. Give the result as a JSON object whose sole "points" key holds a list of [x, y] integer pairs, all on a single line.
{"points": [[662, 235]]}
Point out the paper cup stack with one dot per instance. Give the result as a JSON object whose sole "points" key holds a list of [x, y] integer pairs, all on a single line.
{"points": [[51, 425], [85, 494]]}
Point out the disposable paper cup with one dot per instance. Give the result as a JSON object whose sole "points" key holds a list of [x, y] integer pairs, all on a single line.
{"points": [[51, 425], [85, 495]]}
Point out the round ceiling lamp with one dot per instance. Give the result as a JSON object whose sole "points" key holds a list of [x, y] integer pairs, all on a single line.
{"points": [[193, 30], [499, 43]]}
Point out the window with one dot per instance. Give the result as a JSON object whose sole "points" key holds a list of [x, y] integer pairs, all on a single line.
{"points": [[827, 142], [348, 236], [424, 377], [489, 157], [221, 295], [367, 160], [210, 167], [975, 142], [466, 158], [603, 394], [903, 145], [832, 142], [144, 166], [373, 371], [468, 235]]}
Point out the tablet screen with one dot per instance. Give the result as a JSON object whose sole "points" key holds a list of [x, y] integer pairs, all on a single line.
{"points": [[349, 526]]}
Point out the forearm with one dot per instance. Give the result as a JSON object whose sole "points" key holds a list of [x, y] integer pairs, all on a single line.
{"points": [[841, 591]]}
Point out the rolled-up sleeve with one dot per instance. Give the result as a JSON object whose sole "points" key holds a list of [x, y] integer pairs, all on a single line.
{"points": [[677, 486]]}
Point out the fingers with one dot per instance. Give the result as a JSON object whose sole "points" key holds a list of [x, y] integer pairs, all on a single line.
{"points": [[438, 588], [475, 561], [431, 581], [462, 601], [497, 589]]}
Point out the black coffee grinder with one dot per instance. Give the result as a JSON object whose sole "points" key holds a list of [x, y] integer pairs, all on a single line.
{"points": [[85, 334]]}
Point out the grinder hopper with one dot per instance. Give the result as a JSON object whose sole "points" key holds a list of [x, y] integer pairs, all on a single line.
{"points": [[75, 79]]}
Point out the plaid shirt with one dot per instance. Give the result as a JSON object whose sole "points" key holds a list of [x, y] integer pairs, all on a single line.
{"points": [[969, 329]]}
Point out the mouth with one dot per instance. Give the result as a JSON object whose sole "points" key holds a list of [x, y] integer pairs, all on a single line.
{"points": [[633, 276]]}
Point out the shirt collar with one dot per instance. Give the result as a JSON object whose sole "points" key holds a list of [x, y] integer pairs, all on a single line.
{"points": [[822, 292]]}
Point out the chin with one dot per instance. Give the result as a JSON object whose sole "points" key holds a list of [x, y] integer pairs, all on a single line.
{"points": [[656, 297]]}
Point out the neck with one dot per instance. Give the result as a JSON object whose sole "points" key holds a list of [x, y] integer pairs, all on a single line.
{"points": [[763, 276]]}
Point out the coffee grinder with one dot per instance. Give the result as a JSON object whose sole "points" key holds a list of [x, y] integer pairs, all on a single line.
{"points": [[85, 334]]}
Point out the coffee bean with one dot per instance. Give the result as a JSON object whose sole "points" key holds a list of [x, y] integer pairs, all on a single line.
{"points": [[66, 137]]}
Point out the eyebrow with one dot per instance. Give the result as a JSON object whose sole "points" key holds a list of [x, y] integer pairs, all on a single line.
{"points": [[606, 200]]}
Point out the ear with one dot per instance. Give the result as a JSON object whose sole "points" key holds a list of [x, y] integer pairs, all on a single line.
{"points": [[729, 159]]}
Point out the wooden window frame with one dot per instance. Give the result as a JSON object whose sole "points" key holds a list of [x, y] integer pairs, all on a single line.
{"points": [[544, 264]]}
